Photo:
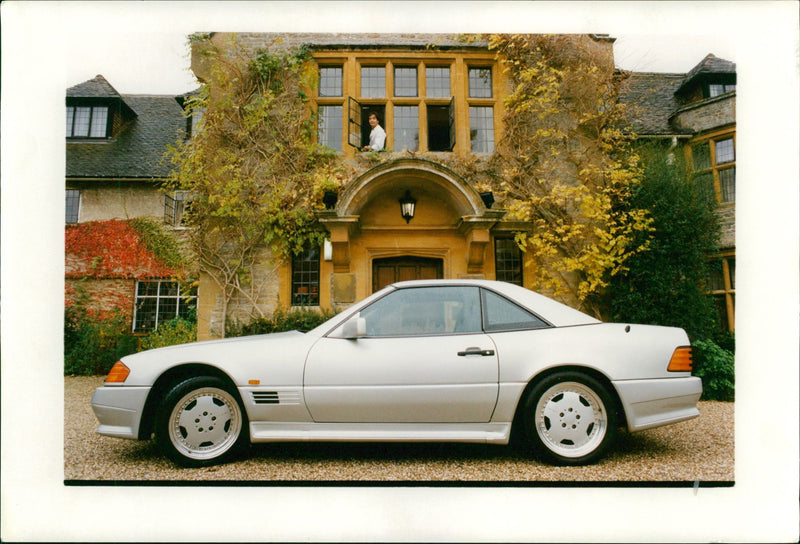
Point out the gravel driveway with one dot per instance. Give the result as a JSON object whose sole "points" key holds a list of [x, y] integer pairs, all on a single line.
{"points": [[700, 449]]}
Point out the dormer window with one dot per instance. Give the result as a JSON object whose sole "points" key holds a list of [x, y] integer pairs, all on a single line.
{"points": [[87, 121], [716, 89]]}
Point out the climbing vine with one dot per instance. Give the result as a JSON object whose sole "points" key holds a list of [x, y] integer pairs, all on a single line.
{"points": [[253, 169], [117, 248], [566, 165]]}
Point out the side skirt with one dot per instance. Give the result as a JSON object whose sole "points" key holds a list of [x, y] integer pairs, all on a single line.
{"points": [[490, 433]]}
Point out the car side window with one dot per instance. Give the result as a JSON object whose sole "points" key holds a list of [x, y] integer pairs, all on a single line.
{"points": [[503, 315], [425, 311]]}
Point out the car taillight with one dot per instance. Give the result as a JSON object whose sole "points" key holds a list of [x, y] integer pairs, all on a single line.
{"points": [[118, 373], [681, 360]]}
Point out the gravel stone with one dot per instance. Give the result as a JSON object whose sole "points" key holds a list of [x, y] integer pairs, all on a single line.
{"points": [[701, 449]]}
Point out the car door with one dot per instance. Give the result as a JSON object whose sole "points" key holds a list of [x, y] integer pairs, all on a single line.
{"points": [[424, 359]]}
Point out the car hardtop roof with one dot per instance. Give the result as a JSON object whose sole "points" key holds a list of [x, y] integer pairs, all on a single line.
{"points": [[553, 311]]}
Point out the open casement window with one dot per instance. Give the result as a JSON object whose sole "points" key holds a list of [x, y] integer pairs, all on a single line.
{"points": [[174, 207], [442, 126], [358, 128], [354, 133]]}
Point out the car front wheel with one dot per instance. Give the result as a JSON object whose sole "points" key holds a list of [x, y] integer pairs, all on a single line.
{"points": [[569, 419], [200, 423]]}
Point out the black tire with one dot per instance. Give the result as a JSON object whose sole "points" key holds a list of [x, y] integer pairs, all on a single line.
{"points": [[201, 423], [569, 418]]}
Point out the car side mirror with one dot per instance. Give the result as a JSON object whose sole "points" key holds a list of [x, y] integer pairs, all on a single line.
{"points": [[355, 327]]}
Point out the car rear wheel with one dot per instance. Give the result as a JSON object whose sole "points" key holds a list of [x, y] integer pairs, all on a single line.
{"points": [[569, 419], [201, 423]]}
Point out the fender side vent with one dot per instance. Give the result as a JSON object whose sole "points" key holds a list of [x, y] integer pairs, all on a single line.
{"points": [[266, 397], [275, 397]]}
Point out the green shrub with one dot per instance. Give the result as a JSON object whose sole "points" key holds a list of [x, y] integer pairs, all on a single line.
{"points": [[94, 342], [715, 367], [666, 285], [170, 333], [300, 319]]}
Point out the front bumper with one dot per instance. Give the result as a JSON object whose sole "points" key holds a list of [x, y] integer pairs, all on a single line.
{"points": [[656, 402], [119, 410]]}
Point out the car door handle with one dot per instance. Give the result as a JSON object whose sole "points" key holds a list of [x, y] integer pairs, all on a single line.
{"points": [[476, 351]]}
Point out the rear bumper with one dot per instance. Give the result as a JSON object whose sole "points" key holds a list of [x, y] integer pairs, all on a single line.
{"points": [[119, 410], [652, 403]]}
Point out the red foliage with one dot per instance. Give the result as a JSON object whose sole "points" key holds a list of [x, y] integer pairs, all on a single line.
{"points": [[110, 249]]}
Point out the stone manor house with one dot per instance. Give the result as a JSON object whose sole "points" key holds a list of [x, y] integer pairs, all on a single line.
{"points": [[441, 100]]}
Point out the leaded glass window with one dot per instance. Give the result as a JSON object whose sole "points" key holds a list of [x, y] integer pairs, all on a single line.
{"points": [[508, 261], [73, 205], [330, 126], [480, 82], [725, 151], [481, 129], [305, 277], [437, 82], [158, 301], [87, 121], [406, 128], [405, 81], [373, 81], [330, 81]]}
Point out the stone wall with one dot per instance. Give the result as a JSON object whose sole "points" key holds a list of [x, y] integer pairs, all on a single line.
{"points": [[262, 288], [103, 200], [727, 217], [708, 114]]}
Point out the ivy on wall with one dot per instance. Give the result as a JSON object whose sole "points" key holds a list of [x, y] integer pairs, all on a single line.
{"points": [[253, 169], [118, 248]]}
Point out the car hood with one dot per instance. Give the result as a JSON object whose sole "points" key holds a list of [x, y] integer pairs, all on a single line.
{"points": [[238, 357]]}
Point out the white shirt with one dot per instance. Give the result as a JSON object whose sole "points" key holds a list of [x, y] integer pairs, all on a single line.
{"points": [[377, 138]]}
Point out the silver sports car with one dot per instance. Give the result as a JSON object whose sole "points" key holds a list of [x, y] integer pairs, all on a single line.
{"points": [[443, 360]]}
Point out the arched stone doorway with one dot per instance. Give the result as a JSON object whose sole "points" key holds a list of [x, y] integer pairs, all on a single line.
{"points": [[371, 241]]}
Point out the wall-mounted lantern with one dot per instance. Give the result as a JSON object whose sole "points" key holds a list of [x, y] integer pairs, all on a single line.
{"points": [[407, 206], [488, 199], [329, 198]]}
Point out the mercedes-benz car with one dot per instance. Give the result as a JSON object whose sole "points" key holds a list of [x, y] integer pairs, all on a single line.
{"points": [[439, 360]]}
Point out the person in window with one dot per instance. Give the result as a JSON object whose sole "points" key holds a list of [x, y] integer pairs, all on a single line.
{"points": [[378, 136]]}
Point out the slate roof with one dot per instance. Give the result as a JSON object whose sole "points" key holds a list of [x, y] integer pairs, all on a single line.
{"points": [[138, 148], [98, 87], [709, 65], [652, 99]]}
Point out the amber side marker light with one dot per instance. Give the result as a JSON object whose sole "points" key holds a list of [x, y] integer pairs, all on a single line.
{"points": [[118, 373], [681, 360]]}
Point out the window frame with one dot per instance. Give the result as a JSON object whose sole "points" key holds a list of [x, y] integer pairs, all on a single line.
{"points": [[330, 137], [727, 291], [180, 299], [311, 286], [518, 257], [482, 292], [715, 169], [322, 78], [405, 290], [72, 108], [472, 67], [545, 324], [175, 207], [77, 213]]}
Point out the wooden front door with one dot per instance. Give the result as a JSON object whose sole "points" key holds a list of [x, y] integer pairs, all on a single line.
{"points": [[394, 269]]}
